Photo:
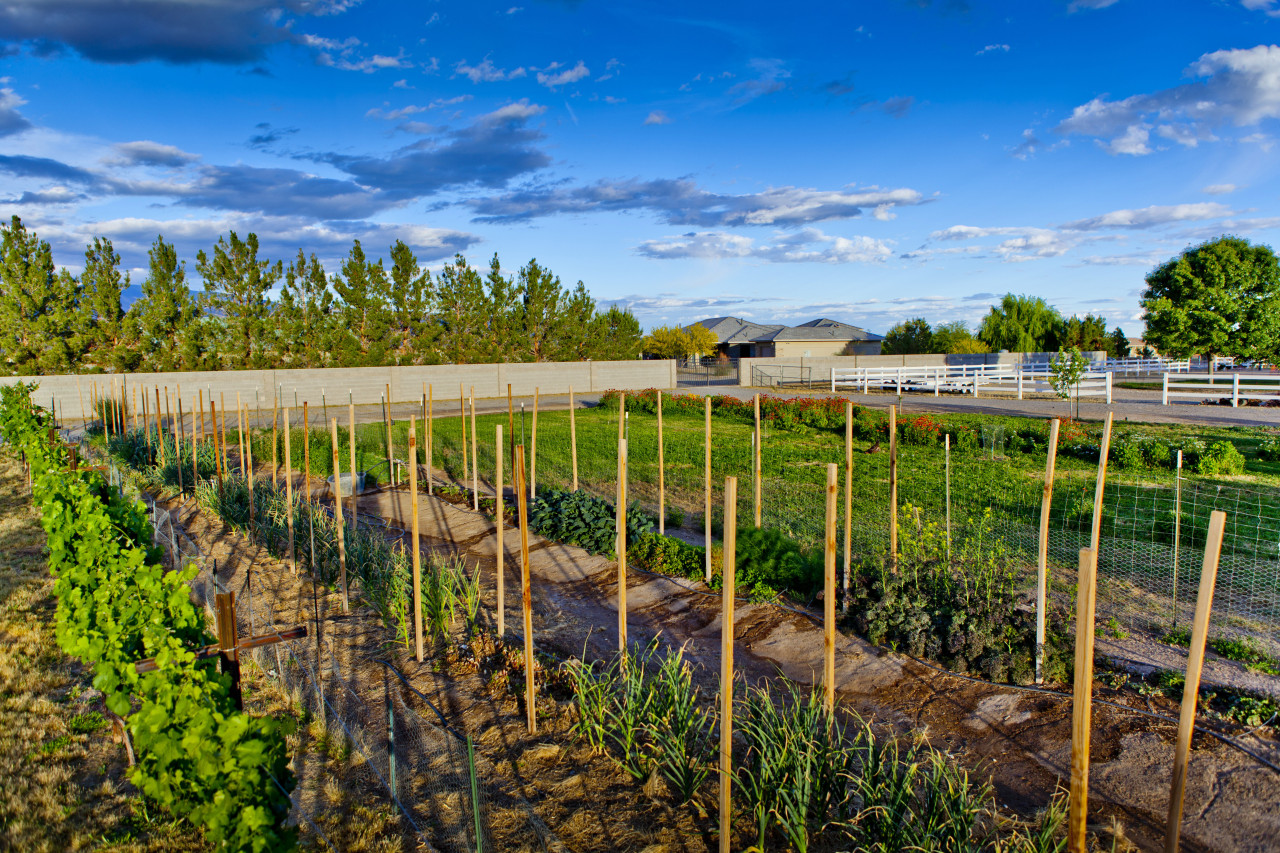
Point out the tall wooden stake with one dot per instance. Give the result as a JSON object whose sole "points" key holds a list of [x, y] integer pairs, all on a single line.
{"points": [[159, 432], [306, 458], [213, 415], [431, 441], [1191, 690], [829, 593], [228, 637], [511, 431], [223, 405], [202, 414], [526, 594], [475, 454], [248, 474], [893, 484], [499, 512], [417, 546], [573, 442], [755, 465], [275, 444], [462, 417], [337, 512], [662, 475], [1104, 450], [848, 502], [706, 498], [1042, 565], [391, 464], [726, 661], [351, 439], [288, 490], [195, 460], [1082, 702], [241, 421], [533, 448], [621, 527]]}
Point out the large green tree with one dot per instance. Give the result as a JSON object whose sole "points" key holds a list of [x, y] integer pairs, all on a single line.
{"points": [[1219, 298], [955, 337], [236, 283], [411, 295], [305, 322], [160, 321], [1088, 333], [908, 337], [103, 285], [38, 307], [364, 308], [1022, 324]]}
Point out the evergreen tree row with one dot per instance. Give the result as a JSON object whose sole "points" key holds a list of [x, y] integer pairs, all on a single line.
{"points": [[366, 314]]}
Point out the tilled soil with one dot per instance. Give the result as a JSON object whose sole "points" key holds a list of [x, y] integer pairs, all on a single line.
{"points": [[580, 801]]}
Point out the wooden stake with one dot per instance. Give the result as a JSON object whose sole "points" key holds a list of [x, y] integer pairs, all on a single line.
{"points": [[275, 438], [573, 442], [706, 498], [431, 441], [848, 501], [462, 417], [213, 416], [240, 409], [526, 594], [159, 432], [893, 484], [417, 546], [475, 453], [1082, 702], [533, 448], [248, 472], [662, 475], [391, 463], [511, 431], [202, 415], [222, 404], [1042, 564], [498, 519], [622, 415], [726, 661], [229, 638], [946, 456], [621, 528], [1191, 689], [351, 438], [755, 464], [306, 457], [288, 489], [195, 461], [1103, 451], [829, 594], [337, 512]]}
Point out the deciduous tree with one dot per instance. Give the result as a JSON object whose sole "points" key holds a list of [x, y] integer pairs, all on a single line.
{"points": [[1022, 324], [908, 337]]}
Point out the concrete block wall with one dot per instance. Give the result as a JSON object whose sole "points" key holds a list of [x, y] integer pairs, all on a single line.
{"points": [[365, 385]]}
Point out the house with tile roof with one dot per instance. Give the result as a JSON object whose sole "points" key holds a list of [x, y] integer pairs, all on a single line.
{"points": [[737, 338]]}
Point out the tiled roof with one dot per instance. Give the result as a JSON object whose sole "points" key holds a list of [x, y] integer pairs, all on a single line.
{"points": [[732, 330]]}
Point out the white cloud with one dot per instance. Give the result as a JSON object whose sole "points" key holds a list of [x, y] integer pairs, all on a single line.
{"points": [[992, 48], [401, 84], [657, 117], [808, 245], [562, 78], [1149, 217], [1268, 7], [1077, 5], [148, 153], [486, 72], [1239, 87], [414, 109], [1219, 189]]}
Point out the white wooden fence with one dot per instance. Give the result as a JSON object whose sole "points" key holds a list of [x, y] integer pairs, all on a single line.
{"points": [[1207, 386], [965, 379], [1134, 366]]}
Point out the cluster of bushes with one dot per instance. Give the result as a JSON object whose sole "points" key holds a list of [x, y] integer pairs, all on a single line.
{"points": [[197, 755], [1137, 452], [960, 605], [582, 519]]}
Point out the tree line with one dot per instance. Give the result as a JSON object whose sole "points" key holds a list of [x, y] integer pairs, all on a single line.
{"points": [[257, 313]]}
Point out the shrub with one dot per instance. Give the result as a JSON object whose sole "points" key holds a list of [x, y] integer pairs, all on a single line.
{"points": [[1128, 455], [922, 430], [1269, 450], [1221, 458], [667, 555], [580, 518], [768, 562]]}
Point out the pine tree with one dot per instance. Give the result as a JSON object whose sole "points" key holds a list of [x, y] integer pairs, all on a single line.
{"points": [[462, 313], [103, 286], [364, 307], [616, 335], [306, 324], [30, 291], [236, 283], [161, 320], [411, 296]]}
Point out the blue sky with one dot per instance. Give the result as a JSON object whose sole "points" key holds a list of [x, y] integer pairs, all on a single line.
{"points": [[863, 161]]}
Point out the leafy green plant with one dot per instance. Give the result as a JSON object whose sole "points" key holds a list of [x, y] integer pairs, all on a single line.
{"points": [[769, 562], [1220, 458], [579, 518], [667, 555]]}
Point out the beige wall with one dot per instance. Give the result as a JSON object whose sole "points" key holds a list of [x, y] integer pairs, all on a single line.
{"points": [[810, 349], [365, 385]]}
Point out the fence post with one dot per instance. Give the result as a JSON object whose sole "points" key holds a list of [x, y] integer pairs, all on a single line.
{"points": [[662, 474], [1177, 531], [621, 527], [431, 439], [706, 502], [1020, 382], [288, 488], [573, 441], [498, 513], [337, 511], [1103, 451], [415, 533], [475, 450], [1164, 389], [833, 379], [526, 597], [1042, 563], [848, 501], [1191, 689], [1235, 390], [533, 449], [829, 593], [1108, 375], [726, 660], [893, 484], [228, 639], [755, 463], [946, 444], [1082, 702]]}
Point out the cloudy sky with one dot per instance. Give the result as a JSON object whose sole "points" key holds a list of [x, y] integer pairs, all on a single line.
{"points": [[863, 161]]}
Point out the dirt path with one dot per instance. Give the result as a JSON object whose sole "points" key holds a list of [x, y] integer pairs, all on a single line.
{"points": [[1022, 739]]}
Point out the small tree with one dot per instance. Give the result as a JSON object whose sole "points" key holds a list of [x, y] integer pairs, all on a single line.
{"points": [[1065, 372], [908, 338], [1118, 344]]}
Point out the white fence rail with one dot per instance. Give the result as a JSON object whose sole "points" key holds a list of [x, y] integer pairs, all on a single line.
{"points": [[965, 379], [1235, 386], [1134, 366]]}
